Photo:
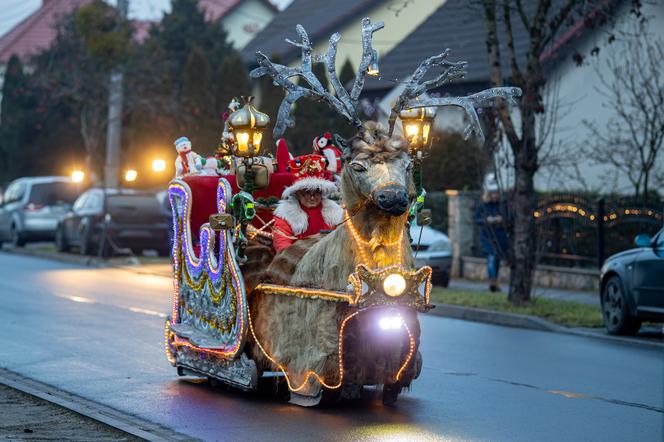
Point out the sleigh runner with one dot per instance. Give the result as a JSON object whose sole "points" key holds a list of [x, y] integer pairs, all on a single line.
{"points": [[332, 312]]}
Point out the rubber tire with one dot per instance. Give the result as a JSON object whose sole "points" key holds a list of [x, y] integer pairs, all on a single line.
{"points": [[615, 309], [86, 247], [391, 393], [17, 238], [60, 241]]}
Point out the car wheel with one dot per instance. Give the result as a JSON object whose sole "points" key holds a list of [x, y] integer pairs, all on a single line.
{"points": [[87, 247], [615, 310], [60, 240], [17, 238]]}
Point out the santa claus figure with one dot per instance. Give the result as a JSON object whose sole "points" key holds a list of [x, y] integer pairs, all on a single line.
{"points": [[323, 145], [305, 208]]}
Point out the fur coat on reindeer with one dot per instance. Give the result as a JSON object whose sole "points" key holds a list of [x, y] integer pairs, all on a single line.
{"points": [[293, 220]]}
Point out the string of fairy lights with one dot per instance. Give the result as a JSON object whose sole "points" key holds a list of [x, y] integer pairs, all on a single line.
{"points": [[202, 272]]}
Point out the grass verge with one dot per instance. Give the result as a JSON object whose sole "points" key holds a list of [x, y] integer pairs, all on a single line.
{"points": [[566, 313]]}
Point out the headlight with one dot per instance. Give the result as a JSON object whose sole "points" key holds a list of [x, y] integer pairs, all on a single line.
{"points": [[390, 322], [394, 284], [442, 245]]}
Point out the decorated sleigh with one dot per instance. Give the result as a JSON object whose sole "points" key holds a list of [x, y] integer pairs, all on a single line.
{"points": [[336, 311]]}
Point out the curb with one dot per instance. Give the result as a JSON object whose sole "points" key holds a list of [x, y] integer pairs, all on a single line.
{"points": [[92, 410], [530, 322]]}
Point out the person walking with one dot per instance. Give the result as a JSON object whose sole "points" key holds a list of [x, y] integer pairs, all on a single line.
{"points": [[492, 215]]}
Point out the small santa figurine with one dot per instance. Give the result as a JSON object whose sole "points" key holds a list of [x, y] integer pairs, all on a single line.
{"points": [[305, 208], [323, 145]]}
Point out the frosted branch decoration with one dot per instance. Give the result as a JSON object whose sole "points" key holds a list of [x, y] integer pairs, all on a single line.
{"points": [[415, 95], [343, 102]]}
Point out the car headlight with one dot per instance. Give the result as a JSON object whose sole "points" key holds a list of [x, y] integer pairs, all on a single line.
{"points": [[442, 245]]}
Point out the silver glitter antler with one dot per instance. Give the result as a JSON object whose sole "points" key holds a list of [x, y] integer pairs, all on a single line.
{"points": [[415, 91], [341, 101]]}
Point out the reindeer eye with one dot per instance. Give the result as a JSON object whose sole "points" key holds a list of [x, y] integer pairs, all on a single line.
{"points": [[358, 167]]}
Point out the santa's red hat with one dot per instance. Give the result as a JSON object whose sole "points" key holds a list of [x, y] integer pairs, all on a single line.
{"points": [[310, 174]]}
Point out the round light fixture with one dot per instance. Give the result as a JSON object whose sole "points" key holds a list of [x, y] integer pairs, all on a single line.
{"points": [[394, 284]]}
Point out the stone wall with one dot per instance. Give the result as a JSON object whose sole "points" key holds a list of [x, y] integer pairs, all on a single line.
{"points": [[545, 276]]}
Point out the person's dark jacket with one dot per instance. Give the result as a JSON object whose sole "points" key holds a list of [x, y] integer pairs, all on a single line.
{"points": [[494, 238]]}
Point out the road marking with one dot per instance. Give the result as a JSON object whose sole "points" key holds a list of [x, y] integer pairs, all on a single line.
{"points": [[563, 393], [81, 299]]}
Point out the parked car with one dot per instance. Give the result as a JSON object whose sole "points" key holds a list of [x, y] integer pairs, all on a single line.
{"points": [[632, 286], [432, 248], [129, 219], [31, 208]]}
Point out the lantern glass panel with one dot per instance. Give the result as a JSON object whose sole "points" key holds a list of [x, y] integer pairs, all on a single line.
{"points": [[242, 142], [258, 137], [426, 128]]}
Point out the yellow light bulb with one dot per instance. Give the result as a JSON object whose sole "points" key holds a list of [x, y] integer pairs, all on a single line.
{"points": [[77, 176], [258, 137], [412, 129], [158, 165], [394, 284], [131, 175]]}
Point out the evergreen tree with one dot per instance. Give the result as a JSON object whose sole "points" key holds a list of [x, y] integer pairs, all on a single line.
{"points": [[270, 100], [16, 133], [347, 74]]}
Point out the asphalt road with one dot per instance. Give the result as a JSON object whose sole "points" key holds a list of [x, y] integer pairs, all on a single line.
{"points": [[99, 333]]}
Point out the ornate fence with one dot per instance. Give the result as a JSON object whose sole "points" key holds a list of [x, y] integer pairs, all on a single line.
{"points": [[577, 231]]}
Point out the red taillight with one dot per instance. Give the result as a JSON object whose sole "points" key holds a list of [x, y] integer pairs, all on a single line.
{"points": [[32, 207]]}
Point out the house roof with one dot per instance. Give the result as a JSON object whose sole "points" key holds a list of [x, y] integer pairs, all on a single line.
{"points": [[454, 25], [216, 9], [319, 17], [37, 31]]}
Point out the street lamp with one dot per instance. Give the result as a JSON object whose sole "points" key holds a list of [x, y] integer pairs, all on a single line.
{"points": [[247, 125], [77, 176], [158, 165], [130, 175], [417, 124]]}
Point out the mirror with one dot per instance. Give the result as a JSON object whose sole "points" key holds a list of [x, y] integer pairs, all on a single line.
{"points": [[643, 240], [424, 217]]}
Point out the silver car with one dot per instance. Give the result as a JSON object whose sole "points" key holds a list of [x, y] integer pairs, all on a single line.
{"points": [[31, 208], [432, 248]]}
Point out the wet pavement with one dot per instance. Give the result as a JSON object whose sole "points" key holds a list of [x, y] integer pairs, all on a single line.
{"points": [[99, 333]]}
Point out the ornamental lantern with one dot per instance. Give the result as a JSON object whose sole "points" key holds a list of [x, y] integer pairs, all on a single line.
{"points": [[417, 124], [247, 125]]}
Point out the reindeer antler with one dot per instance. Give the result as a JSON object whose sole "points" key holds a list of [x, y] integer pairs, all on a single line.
{"points": [[415, 91], [342, 102]]}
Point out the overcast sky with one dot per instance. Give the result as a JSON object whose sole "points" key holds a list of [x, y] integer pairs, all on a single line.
{"points": [[16, 10]]}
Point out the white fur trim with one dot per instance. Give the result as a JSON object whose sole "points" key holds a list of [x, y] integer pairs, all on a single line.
{"points": [[289, 209], [333, 214], [327, 187]]}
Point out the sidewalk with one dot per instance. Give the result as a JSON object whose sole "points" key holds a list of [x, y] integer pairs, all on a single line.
{"points": [[542, 292], [25, 417]]}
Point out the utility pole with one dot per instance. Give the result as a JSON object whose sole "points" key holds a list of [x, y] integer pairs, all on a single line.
{"points": [[114, 126]]}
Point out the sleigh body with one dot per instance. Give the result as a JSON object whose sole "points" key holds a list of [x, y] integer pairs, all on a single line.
{"points": [[319, 342]]}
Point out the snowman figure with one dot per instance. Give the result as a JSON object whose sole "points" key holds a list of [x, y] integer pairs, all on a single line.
{"points": [[323, 145], [188, 162]]}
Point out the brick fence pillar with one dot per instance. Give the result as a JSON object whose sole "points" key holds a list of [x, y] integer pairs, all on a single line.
{"points": [[461, 209]]}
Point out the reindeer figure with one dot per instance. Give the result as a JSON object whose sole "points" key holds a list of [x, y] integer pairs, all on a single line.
{"points": [[377, 190]]}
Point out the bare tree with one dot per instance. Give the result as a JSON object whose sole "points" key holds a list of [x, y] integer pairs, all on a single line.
{"points": [[632, 139], [542, 20]]}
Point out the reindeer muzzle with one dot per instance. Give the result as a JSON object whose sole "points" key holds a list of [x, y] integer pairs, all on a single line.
{"points": [[392, 199]]}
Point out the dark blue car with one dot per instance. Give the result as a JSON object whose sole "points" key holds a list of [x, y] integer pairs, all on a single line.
{"points": [[632, 286]]}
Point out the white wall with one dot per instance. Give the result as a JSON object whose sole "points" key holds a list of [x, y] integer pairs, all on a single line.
{"points": [[245, 21], [580, 98]]}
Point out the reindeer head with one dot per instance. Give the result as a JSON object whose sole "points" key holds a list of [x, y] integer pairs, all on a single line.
{"points": [[378, 171]]}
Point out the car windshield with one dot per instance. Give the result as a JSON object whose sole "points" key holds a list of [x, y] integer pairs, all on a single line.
{"points": [[49, 194]]}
